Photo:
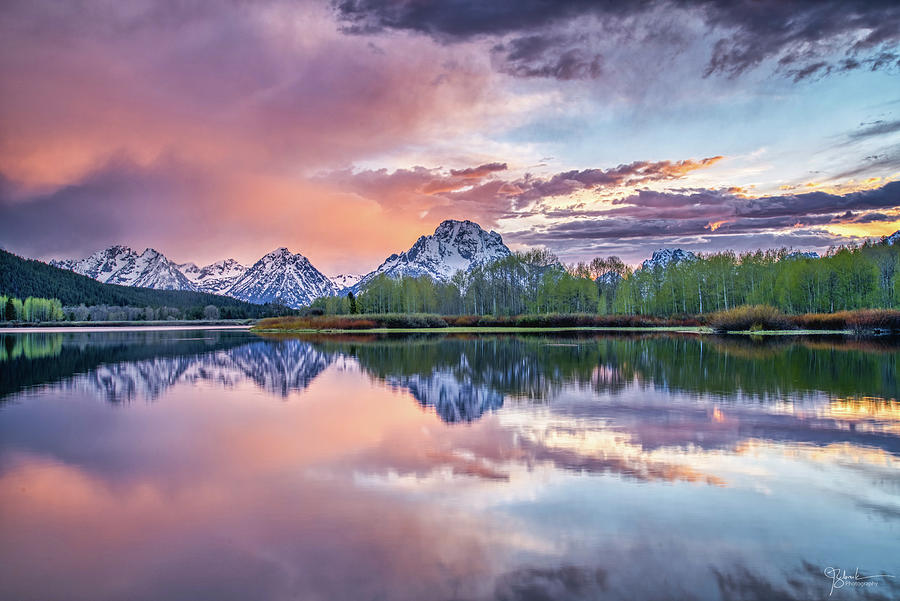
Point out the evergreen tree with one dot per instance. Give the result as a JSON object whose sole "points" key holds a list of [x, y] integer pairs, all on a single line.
{"points": [[9, 310]]}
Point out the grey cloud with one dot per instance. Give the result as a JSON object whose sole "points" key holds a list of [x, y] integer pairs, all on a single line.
{"points": [[807, 38]]}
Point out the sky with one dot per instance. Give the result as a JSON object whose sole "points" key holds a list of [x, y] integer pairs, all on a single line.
{"points": [[345, 130]]}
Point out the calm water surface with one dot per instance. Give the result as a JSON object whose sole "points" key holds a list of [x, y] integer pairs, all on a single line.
{"points": [[220, 465]]}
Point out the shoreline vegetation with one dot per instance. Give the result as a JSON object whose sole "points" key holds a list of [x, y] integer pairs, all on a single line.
{"points": [[756, 320], [759, 320], [205, 323]]}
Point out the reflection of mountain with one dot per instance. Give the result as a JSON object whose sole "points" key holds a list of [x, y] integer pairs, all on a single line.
{"points": [[277, 367], [460, 378], [454, 399], [662, 391], [537, 367], [32, 359], [144, 365]]}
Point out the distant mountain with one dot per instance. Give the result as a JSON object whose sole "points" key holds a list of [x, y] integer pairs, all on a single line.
{"points": [[665, 257], [802, 255], [216, 278], [279, 277], [283, 277], [890, 240], [609, 278], [122, 265], [290, 279], [454, 246], [26, 277], [345, 280]]}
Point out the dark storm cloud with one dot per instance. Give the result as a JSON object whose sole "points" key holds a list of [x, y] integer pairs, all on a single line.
{"points": [[808, 38], [463, 19], [556, 56]]}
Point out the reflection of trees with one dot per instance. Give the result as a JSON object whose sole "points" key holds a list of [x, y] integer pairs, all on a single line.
{"points": [[537, 367], [121, 366], [81, 353], [461, 376], [29, 346]]}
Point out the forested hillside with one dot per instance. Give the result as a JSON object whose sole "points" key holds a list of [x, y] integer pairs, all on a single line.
{"points": [[24, 278], [846, 278]]}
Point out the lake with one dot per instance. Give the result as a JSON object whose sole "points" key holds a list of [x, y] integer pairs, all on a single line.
{"points": [[216, 464]]}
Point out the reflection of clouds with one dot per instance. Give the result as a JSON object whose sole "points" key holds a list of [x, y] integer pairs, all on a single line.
{"points": [[356, 492]]}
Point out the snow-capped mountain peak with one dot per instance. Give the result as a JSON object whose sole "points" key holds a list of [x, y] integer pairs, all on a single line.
{"points": [[802, 255], [665, 257], [893, 238], [345, 280], [122, 265], [289, 278], [279, 276], [454, 246], [215, 278], [283, 277]]}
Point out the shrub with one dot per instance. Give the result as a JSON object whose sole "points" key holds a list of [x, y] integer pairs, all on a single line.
{"points": [[874, 321], [750, 317], [822, 321], [352, 322]]}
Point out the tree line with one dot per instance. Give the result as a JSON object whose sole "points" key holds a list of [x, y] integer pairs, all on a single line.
{"points": [[31, 309], [35, 309], [536, 282]]}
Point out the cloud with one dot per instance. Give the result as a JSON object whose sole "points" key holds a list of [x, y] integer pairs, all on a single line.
{"points": [[806, 38], [480, 193], [878, 128], [708, 219], [270, 87], [631, 174], [554, 56], [479, 171], [201, 214]]}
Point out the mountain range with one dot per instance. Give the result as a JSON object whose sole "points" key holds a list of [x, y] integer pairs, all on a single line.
{"points": [[289, 278]]}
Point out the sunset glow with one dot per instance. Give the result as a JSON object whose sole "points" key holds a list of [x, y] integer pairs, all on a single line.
{"points": [[344, 131]]}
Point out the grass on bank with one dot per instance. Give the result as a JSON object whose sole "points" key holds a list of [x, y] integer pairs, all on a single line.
{"points": [[754, 319], [767, 319], [400, 321]]}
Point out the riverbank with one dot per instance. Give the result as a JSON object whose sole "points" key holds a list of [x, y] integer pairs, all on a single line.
{"points": [[484, 330], [13, 326], [755, 320]]}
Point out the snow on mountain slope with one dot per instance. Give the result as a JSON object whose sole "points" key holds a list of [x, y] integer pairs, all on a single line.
{"points": [[282, 277], [454, 246], [345, 280], [278, 277], [664, 257], [122, 265], [215, 278], [802, 255]]}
